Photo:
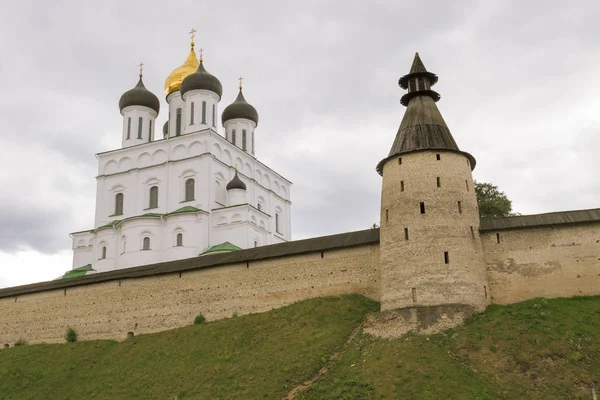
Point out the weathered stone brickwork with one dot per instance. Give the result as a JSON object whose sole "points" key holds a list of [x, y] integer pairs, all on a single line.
{"points": [[109, 310], [555, 261], [431, 252]]}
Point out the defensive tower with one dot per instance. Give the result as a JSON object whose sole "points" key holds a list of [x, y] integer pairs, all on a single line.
{"points": [[430, 248]]}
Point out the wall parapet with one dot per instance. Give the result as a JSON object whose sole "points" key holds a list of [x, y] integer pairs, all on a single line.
{"points": [[297, 247], [539, 220]]}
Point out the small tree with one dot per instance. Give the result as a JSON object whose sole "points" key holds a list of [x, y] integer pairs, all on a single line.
{"points": [[199, 320], [492, 203], [71, 335]]}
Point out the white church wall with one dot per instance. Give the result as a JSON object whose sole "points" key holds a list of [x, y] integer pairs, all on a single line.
{"points": [[201, 98], [194, 236], [132, 249], [138, 125], [175, 103]]}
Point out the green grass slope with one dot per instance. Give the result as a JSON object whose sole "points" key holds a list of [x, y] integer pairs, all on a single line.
{"points": [[539, 349]]}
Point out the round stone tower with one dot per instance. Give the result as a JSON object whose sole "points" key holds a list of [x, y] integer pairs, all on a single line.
{"points": [[430, 248]]}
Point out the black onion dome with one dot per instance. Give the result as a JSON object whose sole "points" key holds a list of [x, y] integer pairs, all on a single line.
{"points": [[236, 183], [201, 80], [139, 96], [240, 109]]}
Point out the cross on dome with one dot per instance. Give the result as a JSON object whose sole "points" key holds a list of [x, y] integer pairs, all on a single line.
{"points": [[141, 65], [193, 33], [200, 50], [241, 80]]}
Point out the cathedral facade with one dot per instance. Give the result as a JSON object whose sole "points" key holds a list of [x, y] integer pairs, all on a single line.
{"points": [[198, 189]]}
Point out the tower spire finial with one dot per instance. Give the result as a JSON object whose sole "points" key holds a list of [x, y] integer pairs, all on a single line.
{"points": [[200, 51], [141, 65], [241, 80], [193, 34]]}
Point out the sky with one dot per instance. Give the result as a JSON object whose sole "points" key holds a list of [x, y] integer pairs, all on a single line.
{"points": [[518, 82]]}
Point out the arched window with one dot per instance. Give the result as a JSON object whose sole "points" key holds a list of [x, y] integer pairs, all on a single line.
{"points": [[244, 139], [146, 243], [153, 203], [192, 114], [128, 127], [119, 204], [214, 114], [204, 112], [233, 136], [150, 130], [180, 239], [140, 126], [189, 189], [103, 255], [178, 122], [277, 223]]}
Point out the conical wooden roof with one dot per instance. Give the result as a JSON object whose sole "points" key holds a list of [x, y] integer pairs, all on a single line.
{"points": [[422, 127]]}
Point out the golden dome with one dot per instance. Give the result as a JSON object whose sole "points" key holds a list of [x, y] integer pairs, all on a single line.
{"points": [[173, 82]]}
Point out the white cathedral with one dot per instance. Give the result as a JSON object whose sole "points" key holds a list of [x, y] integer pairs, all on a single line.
{"points": [[197, 190]]}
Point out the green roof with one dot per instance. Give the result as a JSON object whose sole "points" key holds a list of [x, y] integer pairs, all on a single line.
{"points": [[184, 210], [221, 248], [81, 271]]}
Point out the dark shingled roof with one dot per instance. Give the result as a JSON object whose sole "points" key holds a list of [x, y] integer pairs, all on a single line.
{"points": [[417, 70], [422, 127], [201, 80], [343, 240], [236, 183], [139, 96], [240, 109], [539, 220]]}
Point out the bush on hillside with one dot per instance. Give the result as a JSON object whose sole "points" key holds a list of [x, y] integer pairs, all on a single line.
{"points": [[199, 320], [21, 342], [71, 335]]}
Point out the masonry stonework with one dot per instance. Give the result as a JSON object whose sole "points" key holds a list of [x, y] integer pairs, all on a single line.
{"points": [[553, 261], [109, 310], [438, 239]]}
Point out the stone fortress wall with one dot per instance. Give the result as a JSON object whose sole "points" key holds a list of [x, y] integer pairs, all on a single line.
{"points": [[552, 260]]}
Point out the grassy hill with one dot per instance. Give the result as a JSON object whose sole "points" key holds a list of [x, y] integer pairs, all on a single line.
{"points": [[539, 349]]}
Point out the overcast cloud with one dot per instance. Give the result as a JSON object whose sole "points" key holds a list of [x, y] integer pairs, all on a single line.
{"points": [[518, 82]]}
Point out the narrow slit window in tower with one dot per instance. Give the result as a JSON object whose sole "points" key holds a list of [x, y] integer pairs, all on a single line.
{"points": [[189, 189], [140, 123], [422, 205], [467, 184], [179, 239], [255, 243], [446, 258], [119, 204], [414, 295], [233, 136], [437, 156], [153, 201], [439, 182], [405, 233], [497, 238], [150, 130], [485, 291], [214, 113], [204, 112], [146, 244], [192, 113], [399, 160], [402, 186], [387, 215], [421, 85], [129, 128], [178, 122], [459, 207], [244, 139], [473, 232]]}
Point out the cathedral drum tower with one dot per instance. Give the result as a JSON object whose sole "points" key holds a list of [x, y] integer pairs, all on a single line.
{"points": [[430, 249]]}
